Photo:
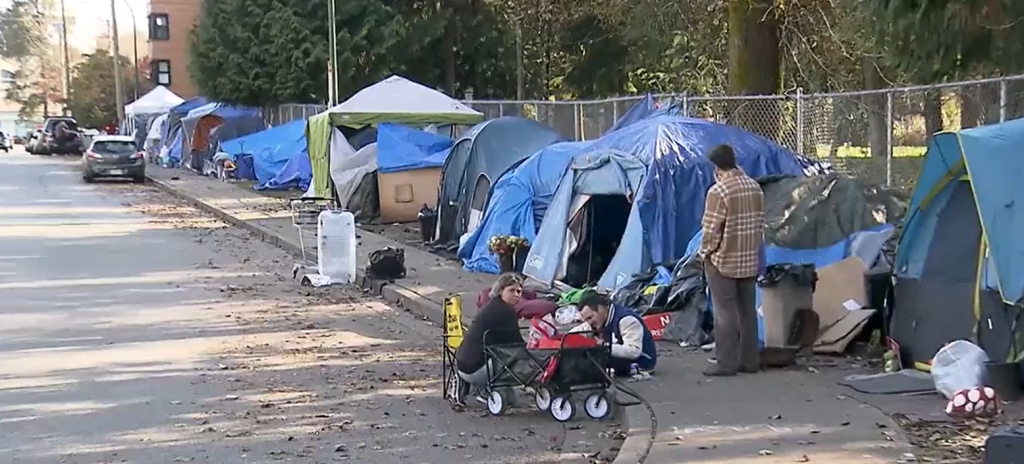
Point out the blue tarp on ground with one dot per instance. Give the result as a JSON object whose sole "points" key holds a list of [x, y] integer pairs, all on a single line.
{"points": [[271, 149], [401, 148], [671, 200]]}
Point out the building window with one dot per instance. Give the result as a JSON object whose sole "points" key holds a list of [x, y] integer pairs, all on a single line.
{"points": [[7, 77], [159, 27], [161, 72]]}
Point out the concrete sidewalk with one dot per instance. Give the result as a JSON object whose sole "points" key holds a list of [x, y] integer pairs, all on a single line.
{"points": [[773, 417], [430, 278]]}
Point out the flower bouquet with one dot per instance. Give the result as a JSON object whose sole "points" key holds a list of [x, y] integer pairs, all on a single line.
{"points": [[505, 248]]}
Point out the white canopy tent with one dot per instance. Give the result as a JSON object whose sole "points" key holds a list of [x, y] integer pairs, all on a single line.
{"points": [[399, 100], [157, 101]]}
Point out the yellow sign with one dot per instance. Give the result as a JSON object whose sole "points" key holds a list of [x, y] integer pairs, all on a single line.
{"points": [[453, 321]]}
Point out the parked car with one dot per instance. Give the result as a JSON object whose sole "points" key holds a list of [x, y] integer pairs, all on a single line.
{"points": [[34, 140], [18, 140], [6, 143], [113, 156], [61, 136]]}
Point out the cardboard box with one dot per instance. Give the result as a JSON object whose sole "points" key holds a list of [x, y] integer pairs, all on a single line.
{"points": [[840, 290], [836, 338]]}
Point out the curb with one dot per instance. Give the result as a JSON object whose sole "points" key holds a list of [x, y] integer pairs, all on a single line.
{"points": [[639, 425], [639, 436]]}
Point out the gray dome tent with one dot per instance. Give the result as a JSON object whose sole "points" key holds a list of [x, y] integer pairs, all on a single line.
{"points": [[477, 160]]}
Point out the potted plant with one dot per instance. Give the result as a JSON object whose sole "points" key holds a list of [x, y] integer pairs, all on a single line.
{"points": [[505, 247]]}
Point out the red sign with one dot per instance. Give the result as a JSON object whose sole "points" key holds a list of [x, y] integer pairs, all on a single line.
{"points": [[656, 323]]}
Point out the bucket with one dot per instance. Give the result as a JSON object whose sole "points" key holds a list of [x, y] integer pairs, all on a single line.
{"points": [[1005, 379]]}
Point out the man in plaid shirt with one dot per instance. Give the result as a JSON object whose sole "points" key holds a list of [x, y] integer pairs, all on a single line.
{"points": [[730, 251]]}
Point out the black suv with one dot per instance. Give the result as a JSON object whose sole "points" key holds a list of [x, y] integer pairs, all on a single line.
{"points": [[61, 136]]}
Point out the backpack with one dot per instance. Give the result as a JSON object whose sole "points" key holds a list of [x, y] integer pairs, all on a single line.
{"points": [[387, 263]]}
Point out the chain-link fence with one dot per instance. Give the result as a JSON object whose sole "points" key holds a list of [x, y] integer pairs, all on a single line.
{"points": [[283, 114], [877, 135]]}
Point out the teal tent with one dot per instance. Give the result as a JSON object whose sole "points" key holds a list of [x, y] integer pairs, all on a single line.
{"points": [[959, 267]]}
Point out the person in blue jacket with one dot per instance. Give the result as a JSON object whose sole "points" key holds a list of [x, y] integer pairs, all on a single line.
{"points": [[631, 342]]}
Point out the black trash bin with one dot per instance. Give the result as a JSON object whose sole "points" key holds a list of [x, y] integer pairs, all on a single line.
{"points": [[428, 221]]}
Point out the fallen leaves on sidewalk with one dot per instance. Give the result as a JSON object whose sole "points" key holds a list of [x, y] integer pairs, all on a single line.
{"points": [[948, 441]]}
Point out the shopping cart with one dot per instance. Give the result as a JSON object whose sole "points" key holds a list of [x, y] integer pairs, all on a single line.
{"points": [[305, 214]]}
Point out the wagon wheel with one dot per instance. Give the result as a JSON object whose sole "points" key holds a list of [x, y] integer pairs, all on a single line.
{"points": [[496, 403], [597, 406], [563, 409], [542, 398]]}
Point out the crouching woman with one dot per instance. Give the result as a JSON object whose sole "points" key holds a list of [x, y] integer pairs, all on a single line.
{"points": [[497, 322], [631, 342]]}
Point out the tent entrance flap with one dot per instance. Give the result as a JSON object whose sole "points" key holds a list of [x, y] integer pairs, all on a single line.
{"points": [[593, 237]]}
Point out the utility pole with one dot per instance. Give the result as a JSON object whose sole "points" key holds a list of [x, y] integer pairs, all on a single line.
{"points": [[116, 51], [67, 56], [332, 85]]}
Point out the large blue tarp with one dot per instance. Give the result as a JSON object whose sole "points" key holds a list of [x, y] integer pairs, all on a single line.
{"points": [[297, 173], [671, 200], [641, 110], [401, 148], [271, 148]]}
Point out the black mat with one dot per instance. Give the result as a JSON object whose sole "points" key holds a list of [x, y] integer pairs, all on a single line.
{"points": [[894, 383]]}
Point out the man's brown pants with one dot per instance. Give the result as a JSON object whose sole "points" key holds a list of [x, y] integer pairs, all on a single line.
{"points": [[735, 320]]}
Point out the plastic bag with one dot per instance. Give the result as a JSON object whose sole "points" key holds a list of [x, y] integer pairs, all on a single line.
{"points": [[567, 315], [960, 365]]}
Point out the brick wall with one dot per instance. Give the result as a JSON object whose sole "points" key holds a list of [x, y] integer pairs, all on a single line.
{"points": [[181, 16]]}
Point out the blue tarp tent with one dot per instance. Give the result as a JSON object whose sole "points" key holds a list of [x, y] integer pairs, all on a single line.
{"points": [[641, 110], [670, 201], [401, 148], [206, 126], [176, 114], [960, 261], [477, 160], [271, 149]]}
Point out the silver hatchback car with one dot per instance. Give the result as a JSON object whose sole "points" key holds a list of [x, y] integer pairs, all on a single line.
{"points": [[113, 156]]}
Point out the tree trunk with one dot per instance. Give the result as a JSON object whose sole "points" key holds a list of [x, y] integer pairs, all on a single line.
{"points": [[932, 113], [875, 103], [755, 64], [449, 52], [520, 71]]}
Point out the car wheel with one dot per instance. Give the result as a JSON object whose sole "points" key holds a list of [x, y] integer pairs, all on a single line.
{"points": [[88, 177], [139, 179]]}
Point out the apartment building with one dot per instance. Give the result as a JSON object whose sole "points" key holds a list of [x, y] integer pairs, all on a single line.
{"points": [[169, 24]]}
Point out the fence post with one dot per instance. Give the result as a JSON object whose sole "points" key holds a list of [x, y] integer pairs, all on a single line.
{"points": [[686, 104], [577, 117], [1002, 100], [800, 120], [888, 139]]}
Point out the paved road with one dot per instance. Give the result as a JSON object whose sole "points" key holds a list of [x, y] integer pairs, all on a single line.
{"points": [[133, 329]]}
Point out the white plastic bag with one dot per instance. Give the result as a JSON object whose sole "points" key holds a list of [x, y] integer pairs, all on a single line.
{"points": [[957, 366], [567, 315]]}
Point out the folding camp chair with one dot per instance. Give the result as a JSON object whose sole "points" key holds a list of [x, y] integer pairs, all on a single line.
{"points": [[454, 389]]}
